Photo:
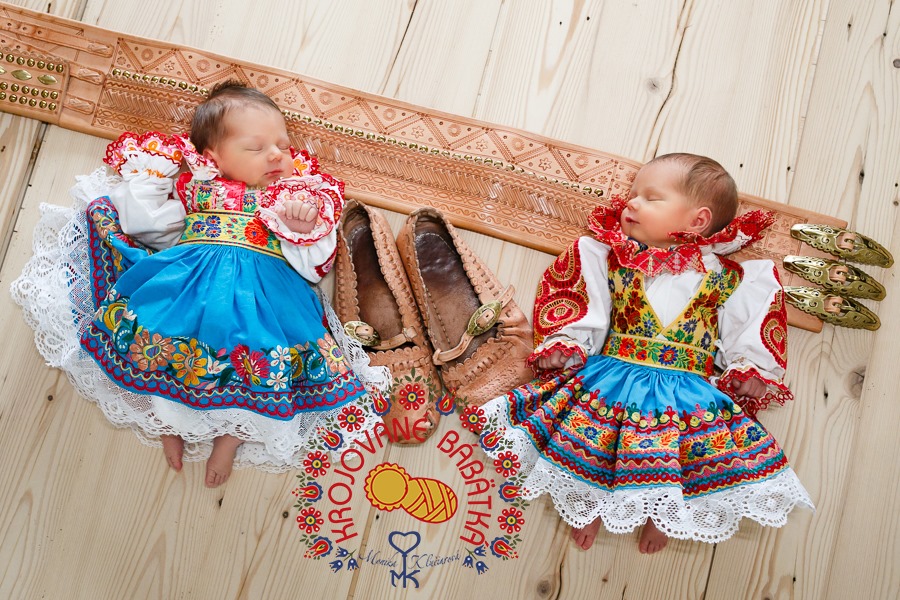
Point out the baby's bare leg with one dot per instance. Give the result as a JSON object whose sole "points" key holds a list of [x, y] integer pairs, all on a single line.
{"points": [[173, 448], [652, 539], [220, 462], [584, 537]]}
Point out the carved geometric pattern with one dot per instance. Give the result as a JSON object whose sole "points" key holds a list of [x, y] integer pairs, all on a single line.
{"points": [[499, 181]]}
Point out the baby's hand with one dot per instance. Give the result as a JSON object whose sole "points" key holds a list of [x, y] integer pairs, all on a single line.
{"points": [[299, 216], [752, 388], [555, 360]]}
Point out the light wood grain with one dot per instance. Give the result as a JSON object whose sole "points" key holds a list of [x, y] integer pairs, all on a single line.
{"points": [[86, 511]]}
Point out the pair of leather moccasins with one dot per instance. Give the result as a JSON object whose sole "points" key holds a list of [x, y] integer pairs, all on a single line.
{"points": [[427, 308]]}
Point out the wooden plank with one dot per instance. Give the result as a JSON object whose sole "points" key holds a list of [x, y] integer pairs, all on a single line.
{"points": [[848, 162], [842, 120], [164, 535]]}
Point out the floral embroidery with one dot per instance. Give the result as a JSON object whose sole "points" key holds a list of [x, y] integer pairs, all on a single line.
{"points": [[151, 352], [334, 358], [251, 366], [189, 363], [256, 233], [636, 328], [562, 297], [774, 329]]}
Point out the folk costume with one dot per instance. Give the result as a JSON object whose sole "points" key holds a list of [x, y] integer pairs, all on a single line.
{"points": [[638, 425], [194, 314]]}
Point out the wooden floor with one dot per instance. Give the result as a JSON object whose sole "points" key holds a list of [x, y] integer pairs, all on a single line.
{"points": [[798, 99]]}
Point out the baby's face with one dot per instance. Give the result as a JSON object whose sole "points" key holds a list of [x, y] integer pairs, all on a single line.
{"points": [[255, 149], [656, 206]]}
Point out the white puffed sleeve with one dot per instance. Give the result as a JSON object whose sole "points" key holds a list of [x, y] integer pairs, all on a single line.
{"points": [[753, 336], [311, 253], [572, 309], [314, 261], [147, 211]]}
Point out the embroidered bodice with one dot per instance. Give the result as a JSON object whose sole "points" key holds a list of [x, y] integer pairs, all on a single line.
{"points": [[686, 307], [637, 334], [219, 194]]}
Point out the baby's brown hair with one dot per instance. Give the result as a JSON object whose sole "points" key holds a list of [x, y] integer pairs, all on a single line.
{"points": [[707, 183], [208, 123]]}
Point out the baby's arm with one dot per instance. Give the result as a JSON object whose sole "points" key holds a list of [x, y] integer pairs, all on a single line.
{"points": [[753, 340], [299, 216], [303, 212], [571, 311], [147, 211]]}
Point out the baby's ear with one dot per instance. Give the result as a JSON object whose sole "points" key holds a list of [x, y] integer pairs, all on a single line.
{"points": [[702, 219]]}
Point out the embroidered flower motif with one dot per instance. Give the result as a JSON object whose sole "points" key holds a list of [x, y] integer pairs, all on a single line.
{"points": [[351, 418], [113, 314], [256, 233], [668, 355], [310, 520], [188, 363], [251, 367], [334, 358], [278, 381], [473, 418], [754, 433], [511, 520], [316, 463], [151, 352], [698, 449], [507, 464], [281, 357]]}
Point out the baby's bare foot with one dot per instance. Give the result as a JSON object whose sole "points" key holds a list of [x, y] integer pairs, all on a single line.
{"points": [[584, 537], [220, 462], [173, 448], [652, 539]]}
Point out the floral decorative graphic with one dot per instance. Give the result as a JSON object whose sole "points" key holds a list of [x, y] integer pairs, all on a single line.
{"points": [[316, 463], [351, 418], [310, 520], [507, 464], [473, 418]]}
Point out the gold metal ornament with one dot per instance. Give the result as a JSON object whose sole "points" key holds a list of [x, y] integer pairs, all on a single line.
{"points": [[846, 244], [837, 277], [831, 308]]}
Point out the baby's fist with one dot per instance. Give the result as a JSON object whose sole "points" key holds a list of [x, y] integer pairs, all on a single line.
{"points": [[298, 215]]}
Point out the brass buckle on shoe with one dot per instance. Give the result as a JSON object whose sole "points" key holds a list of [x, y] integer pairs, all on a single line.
{"points": [[481, 321], [484, 318], [846, 244], [835, 276], [362, 332], [366, 335], [831, 308]]}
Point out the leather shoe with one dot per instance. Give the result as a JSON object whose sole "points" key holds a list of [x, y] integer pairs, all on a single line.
{"points": [[374, 301], [481, 337]]}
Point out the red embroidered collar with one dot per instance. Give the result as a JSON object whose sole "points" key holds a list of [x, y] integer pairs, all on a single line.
{"points": [[687, 254]]}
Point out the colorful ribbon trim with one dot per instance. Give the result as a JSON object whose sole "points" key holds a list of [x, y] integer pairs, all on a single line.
{"points": [[659, 353], [230, 228]]}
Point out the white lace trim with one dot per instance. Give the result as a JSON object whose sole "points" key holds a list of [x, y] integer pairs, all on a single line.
{"points": [[710, 518], [54, 291]]}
